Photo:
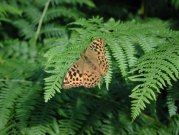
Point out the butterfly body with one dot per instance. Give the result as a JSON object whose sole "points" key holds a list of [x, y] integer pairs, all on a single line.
{"points": [[90, 68]]}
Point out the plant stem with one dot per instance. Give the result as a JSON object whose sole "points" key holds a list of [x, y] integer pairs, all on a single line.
{"points": [[41, 20]]}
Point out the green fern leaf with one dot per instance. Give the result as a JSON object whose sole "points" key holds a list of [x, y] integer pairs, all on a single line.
{"points": [[172, 98], [119, 55], [8, 95], [6, 9], [58, 63], [108, 76], [156, 69]]}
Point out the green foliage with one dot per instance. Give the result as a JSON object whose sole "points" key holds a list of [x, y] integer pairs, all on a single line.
{"points": [[143, 56], [175, 3], [6, 10], [57, 10], [155, 70], [122, 46], [172, 98]]}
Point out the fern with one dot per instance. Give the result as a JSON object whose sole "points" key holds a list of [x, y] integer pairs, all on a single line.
{"points": [[10, 68], [172, 97], [123, 47], [28, 24], [53, 27], [9, 93], [174, 125], [52, 31], [88, 3], [62, 12], [26, 104], [43, 113], [108, 76], [156, 70], [26, 29], [6, 10], [175, 3], [73, 118], [58, 65], [118, 54]]}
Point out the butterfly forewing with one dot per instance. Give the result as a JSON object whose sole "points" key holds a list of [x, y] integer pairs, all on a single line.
{"points": [[97, 50]]}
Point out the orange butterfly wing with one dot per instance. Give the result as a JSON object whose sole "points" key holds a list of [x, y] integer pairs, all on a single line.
{"points": [[90, 68]]}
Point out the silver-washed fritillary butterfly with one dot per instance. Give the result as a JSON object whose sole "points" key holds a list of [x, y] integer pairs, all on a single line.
{"points": [[90, 68]]}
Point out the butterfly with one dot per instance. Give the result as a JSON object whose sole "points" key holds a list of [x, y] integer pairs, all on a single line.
{"points": [[89, 69]]}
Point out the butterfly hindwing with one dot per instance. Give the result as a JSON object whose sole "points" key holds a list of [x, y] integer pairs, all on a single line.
{"points": [[91, 75], [74, 76]]}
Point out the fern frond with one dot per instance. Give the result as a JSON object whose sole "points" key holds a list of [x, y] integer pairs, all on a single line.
{"points": [[6, 9], [32, 15], [156, 69], [58, 63], [108, 76], [171, 105], [119, 55], [106, 128], [19, 53], [9, 129], [26, 29], [122, 45], [8, 95], [58, 12], [88, 3], [175, 3], [42, 115], [172, 98], [147, 43], [73, 116], [129, 50], [53, 85], [52, 31], [26, 104], [174, 125], [53, 128]]}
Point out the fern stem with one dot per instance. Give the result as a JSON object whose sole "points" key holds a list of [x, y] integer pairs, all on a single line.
{"points": [[41, 19]]}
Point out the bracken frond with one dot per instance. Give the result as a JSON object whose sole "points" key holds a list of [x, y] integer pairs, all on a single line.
{"points": [[156, 69]]}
